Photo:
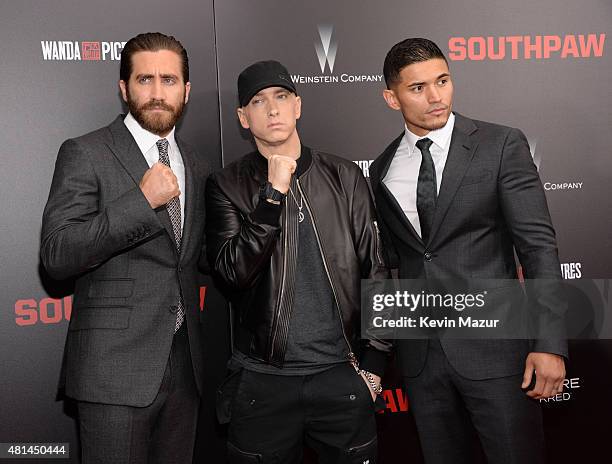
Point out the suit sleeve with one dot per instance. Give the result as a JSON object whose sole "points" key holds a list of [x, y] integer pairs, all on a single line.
{"points": [[239, 244], [77, 232], [369, 249], [526, 214]]}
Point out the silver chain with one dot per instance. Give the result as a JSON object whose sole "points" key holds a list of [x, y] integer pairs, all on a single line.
{"points": [[299, 205]]}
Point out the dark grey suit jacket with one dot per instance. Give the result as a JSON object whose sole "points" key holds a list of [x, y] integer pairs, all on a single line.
{"points": [[491, 202], [98, 227]]}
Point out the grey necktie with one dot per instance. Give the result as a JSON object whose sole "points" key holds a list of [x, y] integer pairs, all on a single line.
{"points": [[174, 211]]}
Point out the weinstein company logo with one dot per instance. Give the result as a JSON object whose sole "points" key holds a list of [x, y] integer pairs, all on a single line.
{"points": [[326, 48], [552, 185]]}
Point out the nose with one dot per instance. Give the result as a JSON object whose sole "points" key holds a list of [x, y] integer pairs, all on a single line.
{"points": [[157, 90], [433, 94], [272, 108]]}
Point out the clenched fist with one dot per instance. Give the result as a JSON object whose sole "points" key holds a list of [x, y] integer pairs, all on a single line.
{"points": [[280, 169], [159, 185]]}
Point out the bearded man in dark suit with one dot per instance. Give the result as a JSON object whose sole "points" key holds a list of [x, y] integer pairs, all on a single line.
{"points": [[125, 217]]}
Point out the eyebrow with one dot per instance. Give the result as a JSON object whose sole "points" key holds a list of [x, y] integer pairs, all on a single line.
{"points": [[412, 84], [276, 92], [163, 76]]}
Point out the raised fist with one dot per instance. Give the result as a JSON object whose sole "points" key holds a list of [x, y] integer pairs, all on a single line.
{"points": [[280, 169], [159, 185]]}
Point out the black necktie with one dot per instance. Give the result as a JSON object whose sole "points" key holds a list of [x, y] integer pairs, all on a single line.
{"points": [[174, 211], [426, 189]]}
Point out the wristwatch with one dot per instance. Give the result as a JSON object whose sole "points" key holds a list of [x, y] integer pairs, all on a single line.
{"points": [[270, 194]]}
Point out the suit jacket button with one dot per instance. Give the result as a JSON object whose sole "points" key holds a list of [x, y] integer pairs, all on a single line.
{"points": [[427, 256], [173, 309]]}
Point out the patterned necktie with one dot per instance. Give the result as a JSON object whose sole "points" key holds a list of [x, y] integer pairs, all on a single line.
{"points": [[426, 189], [174, 211]]}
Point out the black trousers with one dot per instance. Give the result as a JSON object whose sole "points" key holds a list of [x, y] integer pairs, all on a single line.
{"points": [[163, 432], [448, 407], [273, 416]]}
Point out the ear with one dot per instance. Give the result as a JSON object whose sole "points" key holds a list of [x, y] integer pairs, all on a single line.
{"points": [[298, 107], [242, 117], [391, 99], [123, 87], [187, 90]]}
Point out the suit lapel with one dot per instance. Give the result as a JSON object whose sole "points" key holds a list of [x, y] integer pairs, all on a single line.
{"points": [[460, 153], [190, 194], [126, 151], [397, 219]]}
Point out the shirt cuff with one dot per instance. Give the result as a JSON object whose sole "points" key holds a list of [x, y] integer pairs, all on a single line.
{"points": [[267, 213]]}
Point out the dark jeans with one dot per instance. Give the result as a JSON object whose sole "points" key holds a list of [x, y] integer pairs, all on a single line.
{"points": [[163, 432], [273, 416]]}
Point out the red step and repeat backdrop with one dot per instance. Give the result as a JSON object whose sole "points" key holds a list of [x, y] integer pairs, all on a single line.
{"points": [[540, 66]]}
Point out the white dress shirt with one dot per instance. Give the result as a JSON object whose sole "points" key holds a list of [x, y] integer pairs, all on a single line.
{"points": [[147, 142], [403, 173]]}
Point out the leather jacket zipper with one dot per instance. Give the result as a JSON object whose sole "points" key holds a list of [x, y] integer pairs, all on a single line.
{"points": [[378, 243], [351, 355], [282, 288]]}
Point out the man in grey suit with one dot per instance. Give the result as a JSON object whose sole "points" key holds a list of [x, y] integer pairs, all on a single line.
{"points": [[125, 217], [455, 198]]}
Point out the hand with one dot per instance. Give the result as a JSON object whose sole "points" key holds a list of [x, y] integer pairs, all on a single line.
{"points": [[377, 379], [280, 169], [550, 373], [159, 185]]}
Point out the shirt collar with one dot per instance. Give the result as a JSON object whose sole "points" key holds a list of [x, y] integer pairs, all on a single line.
{"points": [[145, 139], [440, 137]]}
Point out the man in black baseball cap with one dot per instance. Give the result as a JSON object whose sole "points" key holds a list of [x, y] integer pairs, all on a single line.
{"points": [[291, 231]]}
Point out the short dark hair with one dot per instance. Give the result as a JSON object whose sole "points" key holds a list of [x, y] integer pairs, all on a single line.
{"points": [[151, 42], [406, 52]]}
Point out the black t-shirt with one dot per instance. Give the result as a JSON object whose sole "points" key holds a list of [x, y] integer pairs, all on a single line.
{"points": [[315, 341]]}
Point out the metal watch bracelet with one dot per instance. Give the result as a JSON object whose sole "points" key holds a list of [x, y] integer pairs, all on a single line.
{"points": [[375, 387]]}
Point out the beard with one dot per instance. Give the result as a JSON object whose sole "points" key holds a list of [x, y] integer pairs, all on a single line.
{"points": [[159, 123], [439, 122]]}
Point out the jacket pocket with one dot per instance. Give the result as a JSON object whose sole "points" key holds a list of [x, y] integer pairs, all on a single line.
{"points": [[111, 288], [366, 452], [108, 317], [477, 178], [226, 394], [236, 455]]}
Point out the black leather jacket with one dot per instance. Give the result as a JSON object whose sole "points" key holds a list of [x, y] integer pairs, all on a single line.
{"points": [[246, 248]]}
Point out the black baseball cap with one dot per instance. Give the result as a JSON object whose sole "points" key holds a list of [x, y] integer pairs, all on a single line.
{"points": [[262, 75]]}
